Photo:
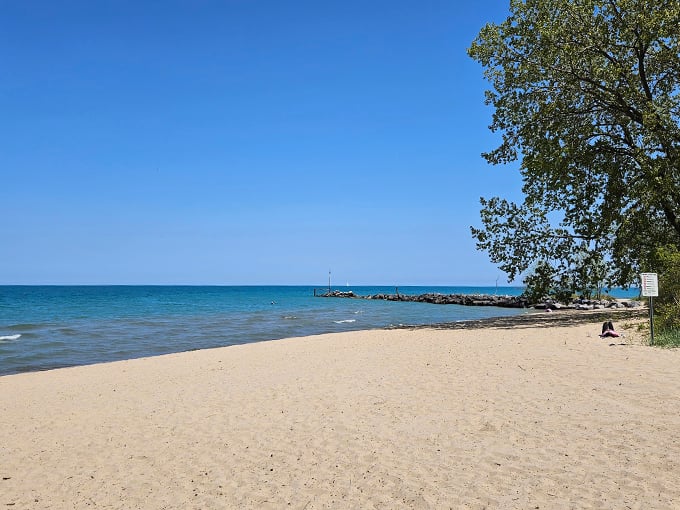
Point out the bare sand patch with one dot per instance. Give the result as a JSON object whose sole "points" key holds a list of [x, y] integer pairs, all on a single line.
{"points": [[497, 417]]}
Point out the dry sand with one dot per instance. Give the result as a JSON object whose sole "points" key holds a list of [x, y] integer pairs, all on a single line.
{"points": [[523, 417]]}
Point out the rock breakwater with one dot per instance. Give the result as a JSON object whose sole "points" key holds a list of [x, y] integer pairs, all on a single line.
{"points": [[503, 301], [441, 299]]}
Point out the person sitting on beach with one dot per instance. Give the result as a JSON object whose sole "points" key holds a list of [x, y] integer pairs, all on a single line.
{"points": [[608, 330]]}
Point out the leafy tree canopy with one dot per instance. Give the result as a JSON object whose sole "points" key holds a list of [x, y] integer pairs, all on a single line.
{"points": [[586, 95]]}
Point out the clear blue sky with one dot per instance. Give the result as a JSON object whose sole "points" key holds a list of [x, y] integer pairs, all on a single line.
{"points": [[244, 142]]}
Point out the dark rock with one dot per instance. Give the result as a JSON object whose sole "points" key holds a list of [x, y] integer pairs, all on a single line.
{"points": [[441, 299]]}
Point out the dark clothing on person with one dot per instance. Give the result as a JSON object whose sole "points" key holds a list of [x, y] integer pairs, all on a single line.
{"points": [[608, 330]]}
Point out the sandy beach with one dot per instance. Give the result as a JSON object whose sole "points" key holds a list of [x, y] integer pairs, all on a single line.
{"points": [[504, 417]]}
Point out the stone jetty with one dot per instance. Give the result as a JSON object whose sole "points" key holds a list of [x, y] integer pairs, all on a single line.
{"points": [[441, 299], [503, 301]]}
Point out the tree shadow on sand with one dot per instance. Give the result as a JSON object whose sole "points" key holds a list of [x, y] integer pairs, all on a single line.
{"points": [[540, 319]]}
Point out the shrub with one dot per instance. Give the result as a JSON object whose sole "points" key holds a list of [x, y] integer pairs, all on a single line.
{"points": [[667, 304]]}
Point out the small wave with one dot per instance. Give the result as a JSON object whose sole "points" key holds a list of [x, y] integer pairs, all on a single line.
{"points": [[346, 320], [289, 317], [67, 331], [24, 327], [9, 338]]}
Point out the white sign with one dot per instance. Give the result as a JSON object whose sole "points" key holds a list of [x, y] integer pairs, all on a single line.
{"points": [[650, 284]]}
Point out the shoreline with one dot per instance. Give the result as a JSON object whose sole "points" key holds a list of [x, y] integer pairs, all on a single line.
{"points": [[504, 416], [540, 318], [531, 318], [46, 328]]}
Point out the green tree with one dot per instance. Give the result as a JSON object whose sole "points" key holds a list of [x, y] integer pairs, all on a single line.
{"points": [[586, 96], [540, 283]]}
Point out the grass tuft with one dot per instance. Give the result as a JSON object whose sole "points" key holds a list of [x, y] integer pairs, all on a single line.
{"points": [[667, 338]]}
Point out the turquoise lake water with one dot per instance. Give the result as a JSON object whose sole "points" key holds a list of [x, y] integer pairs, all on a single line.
{"points": [[44, 327]]}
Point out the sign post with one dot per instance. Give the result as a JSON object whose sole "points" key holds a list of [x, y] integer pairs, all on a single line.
{"points": [[650, 288]]}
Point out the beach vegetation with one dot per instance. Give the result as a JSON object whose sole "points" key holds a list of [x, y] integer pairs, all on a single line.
{"points": [[667, 303], [667, 338], [586, 98]]}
